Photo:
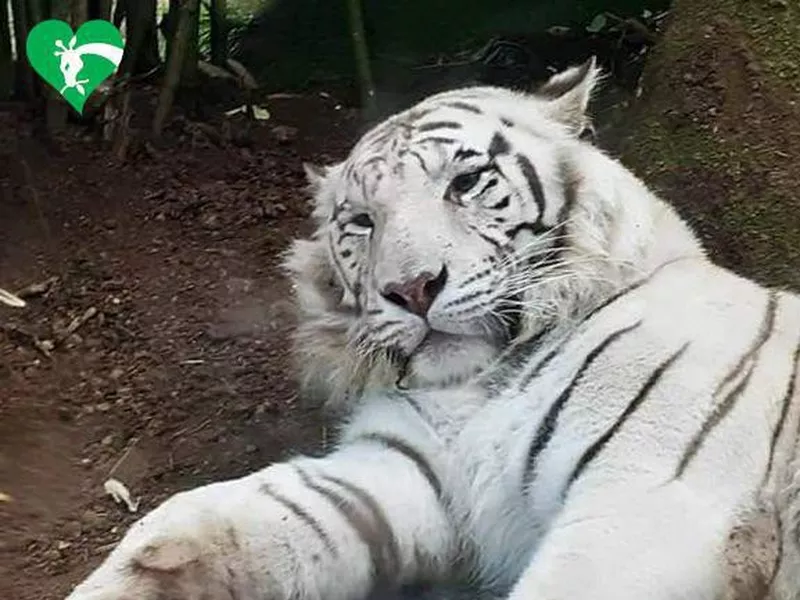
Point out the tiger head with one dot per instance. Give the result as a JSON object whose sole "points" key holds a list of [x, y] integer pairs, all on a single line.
{"points": [[452, 230]]}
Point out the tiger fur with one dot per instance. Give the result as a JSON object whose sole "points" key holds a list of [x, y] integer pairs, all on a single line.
{"points": [[547, 389]]}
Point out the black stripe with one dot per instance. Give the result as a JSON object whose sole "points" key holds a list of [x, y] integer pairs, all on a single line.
{"points": [[434, 125], [475, 277], [338, 266], [384, 540], [493, 242], [503, 203], [464, 106], [466, 298], [464, 153], [373, 160], [536, 228], [489, 185], [511, 360], [409, 452], [371, 531], [722, 409], [548, 424], [593, 450], [435, 139], [413, 403], [787, 400], [526, 379], [535, 185], [763, 333], [570, 180], [303, 515], [498, 146], [420, 160]]}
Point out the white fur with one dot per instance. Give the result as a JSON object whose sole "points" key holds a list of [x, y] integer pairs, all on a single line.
{"points": [[627, 527]]}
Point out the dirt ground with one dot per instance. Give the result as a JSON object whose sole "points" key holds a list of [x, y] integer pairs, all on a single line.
{"points": [[180, 377]]}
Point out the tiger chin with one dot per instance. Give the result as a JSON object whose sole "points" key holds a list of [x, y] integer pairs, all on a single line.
{"points": [[551, 391]]}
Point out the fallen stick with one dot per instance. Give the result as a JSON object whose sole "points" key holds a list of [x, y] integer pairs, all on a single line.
{"points": [[37, 289], [76, 324], [11, 299]]}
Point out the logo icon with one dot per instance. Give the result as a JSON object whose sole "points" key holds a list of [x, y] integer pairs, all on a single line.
{"points": [[75, 64]]}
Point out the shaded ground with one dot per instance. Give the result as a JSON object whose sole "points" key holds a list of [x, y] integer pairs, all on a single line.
{"points": [[181, 376]]}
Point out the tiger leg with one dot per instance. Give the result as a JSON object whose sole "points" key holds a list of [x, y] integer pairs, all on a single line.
{"points": [[367, 515], [662, 544]]}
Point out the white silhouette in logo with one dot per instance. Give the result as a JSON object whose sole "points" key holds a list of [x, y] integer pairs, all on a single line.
{"points": [[72, 61]]}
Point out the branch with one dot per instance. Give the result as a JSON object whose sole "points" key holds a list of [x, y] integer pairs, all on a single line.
{"points": [[362, 56]]}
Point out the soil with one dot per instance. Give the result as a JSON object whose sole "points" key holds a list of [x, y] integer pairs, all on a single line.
{"points": [[717, 131], [181, 375]]}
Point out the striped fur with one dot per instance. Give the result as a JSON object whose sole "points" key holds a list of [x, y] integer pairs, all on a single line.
{"points": [[627, 430]]}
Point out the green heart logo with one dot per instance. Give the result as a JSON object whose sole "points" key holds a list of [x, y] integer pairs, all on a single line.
{"points": [[74, 64]]}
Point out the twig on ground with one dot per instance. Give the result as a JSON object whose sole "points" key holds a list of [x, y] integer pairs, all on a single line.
{"points": [[23, 336], [76, 324], [10, 299], [37, 289]]}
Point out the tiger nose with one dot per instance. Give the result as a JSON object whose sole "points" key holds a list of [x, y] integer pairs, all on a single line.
{"points": [[416, 295]]}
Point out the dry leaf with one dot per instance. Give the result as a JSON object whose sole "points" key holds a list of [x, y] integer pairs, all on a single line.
{"points": [[260, 113], [117, 490], [235, 111], [11, 299]]}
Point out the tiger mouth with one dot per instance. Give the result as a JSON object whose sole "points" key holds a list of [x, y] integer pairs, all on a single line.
{"points": [[504, 332]]}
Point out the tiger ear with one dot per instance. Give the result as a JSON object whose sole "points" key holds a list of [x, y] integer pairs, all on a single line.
{"points": [[315, 175], [568, 94]]}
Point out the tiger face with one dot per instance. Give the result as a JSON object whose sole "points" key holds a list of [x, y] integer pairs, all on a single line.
{"points": [[435, 232]]}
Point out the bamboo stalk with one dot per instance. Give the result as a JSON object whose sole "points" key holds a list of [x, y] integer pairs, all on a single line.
{"points": [[363, 69]]}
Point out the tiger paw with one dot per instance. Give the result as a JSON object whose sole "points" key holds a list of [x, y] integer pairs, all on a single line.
{"points": [[186, 549]]}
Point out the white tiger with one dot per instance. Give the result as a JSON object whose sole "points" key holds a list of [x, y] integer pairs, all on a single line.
{"points": [[591, 407]]}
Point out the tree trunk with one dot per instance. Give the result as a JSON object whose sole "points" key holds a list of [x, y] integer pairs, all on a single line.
{"points": [[717, 131], [168, 25], [6, 58], [141, 49], [100, 9], [79, 13], [56, 108], [362, 57], [192, 55], [24, 84], [218, 15], [34, 13], [175, 66]]}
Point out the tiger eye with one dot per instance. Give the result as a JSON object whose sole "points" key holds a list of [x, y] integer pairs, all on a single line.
{"points": [[463, 183], [362, 220]]}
